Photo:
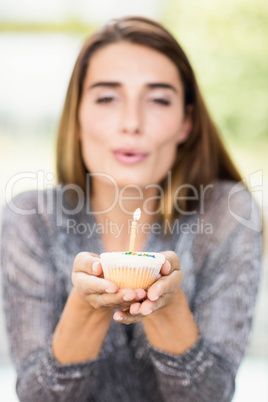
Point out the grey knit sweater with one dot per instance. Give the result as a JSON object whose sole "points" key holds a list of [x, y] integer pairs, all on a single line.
{"points": [[219, 247]]}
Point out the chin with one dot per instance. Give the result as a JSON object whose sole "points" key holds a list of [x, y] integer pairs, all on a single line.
{"points": [[130, 180]]}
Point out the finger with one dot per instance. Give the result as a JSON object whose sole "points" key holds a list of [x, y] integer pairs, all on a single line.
{"points": [[136, 312], [165, 285], [140, 294], [171, 264], [148, 306], [92, 284], [88, 263], [134, 308], [121, 299], [125, 317], [143, 309]]}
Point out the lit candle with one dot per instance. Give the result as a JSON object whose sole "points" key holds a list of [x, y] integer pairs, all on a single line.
{"points": [[136, 217]]}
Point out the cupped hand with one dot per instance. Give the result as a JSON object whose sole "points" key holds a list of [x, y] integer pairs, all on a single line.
{"points": [[159, 296], [88, 280]]}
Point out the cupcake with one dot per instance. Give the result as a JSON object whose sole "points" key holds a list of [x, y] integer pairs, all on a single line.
{"points": [[132, 270]]}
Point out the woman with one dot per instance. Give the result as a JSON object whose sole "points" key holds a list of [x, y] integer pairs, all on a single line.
{"points": [[134, 132]]}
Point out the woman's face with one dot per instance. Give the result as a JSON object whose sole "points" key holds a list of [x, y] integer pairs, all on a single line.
{"points": [[131, 114]]}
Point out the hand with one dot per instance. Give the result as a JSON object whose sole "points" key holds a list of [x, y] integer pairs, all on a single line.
{"points": [[99, 293], [160, 296]]}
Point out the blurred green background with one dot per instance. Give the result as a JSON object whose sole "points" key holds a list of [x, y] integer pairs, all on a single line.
{"points": [[227, 43]]}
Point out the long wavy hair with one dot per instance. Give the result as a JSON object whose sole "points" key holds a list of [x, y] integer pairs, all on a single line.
{"points": [[200, 160]]}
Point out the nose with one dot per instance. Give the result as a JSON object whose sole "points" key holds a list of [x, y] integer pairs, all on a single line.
{"points": [[131, 118]]}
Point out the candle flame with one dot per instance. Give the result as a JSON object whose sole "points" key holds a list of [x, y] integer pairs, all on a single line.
{"points": [[137, 214]]}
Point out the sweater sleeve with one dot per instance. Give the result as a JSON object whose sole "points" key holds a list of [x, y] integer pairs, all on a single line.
{"points": [[223, 306], [32, 291]]}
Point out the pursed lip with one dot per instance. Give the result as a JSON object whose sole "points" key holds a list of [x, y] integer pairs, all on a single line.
{"points": [[129, 156]]}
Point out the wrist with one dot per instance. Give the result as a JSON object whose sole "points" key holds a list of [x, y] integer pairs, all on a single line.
{"points": [[172, 328], [80, 322], [177, 307], [84, 308]]}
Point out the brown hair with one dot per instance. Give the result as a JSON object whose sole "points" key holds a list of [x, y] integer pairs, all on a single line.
{"points": [[199, 161]]}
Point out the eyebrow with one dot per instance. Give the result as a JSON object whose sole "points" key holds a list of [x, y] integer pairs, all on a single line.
{"points": [[152, 85]]}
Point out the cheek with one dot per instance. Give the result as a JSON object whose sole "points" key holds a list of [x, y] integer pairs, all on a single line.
{"points": [[95, 123], [92, 131], [92, 138], [165, 130]]}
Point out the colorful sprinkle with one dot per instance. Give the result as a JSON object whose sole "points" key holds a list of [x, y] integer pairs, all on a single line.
{"points": [[139, 254]]}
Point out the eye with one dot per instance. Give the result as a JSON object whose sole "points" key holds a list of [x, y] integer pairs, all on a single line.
{"points": [[161, 101], [106, 99]]}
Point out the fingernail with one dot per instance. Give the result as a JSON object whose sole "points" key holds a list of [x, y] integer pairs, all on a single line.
{"points": [[148, 312], [118, 318], [127, 298], [95, 266], [169, 266], [140, 293], [135, 311], [110, 290], [154, 298]]}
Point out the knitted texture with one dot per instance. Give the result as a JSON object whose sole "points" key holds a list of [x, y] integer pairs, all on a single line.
{"points": [[220, 266]]}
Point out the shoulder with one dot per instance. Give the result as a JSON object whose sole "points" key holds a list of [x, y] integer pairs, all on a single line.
{"points": [[223, 191], [26, 201], [233, 221], [233, 203], [28, 209], [29, 203], [42, 211]]}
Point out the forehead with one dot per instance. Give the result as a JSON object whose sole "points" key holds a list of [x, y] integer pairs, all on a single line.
{"points": [[131, 63]]}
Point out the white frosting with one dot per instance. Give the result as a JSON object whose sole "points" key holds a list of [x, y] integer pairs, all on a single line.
{"points": [[120, 259]]}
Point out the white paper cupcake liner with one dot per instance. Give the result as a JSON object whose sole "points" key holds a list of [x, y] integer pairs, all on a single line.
{"points": [[131, 271]]}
